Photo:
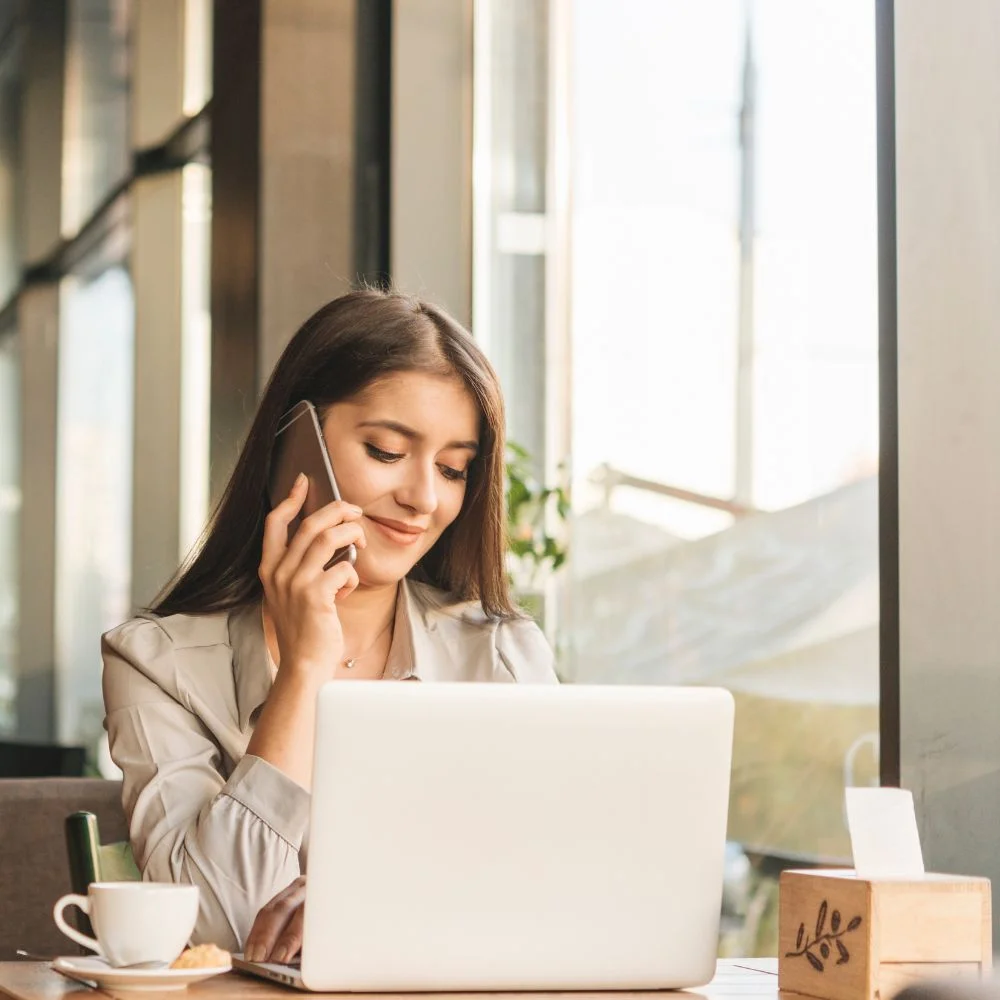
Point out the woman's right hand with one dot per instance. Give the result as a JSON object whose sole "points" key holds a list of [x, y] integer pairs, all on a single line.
{"points": [[276, 935], [302, 596]]}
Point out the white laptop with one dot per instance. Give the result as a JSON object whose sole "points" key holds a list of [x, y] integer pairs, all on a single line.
{"points": [[509, 837]]}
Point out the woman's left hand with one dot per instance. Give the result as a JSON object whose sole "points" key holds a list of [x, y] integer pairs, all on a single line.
{"points": [[276, 935]]}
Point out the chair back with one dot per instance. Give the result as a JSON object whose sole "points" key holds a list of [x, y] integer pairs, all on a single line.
{"points": [[34, 871]]}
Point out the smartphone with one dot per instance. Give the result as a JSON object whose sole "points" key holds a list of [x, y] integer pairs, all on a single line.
{"points": [[300, 447]]}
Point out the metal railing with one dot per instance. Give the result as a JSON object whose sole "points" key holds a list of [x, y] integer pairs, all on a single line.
{"points": [[609, 478]]}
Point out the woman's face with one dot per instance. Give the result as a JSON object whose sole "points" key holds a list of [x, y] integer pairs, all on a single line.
{"points": [[401, 451]]}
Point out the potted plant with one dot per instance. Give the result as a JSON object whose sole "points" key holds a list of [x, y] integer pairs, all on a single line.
{"points": [[535, 515]]}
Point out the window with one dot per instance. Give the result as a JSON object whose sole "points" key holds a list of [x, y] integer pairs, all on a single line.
{"points": [[723, 416], [85, 378], [509, 296], [96, 155], [94, 476]]}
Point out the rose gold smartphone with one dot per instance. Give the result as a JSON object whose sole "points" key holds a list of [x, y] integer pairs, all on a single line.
{"points": [[300, 447]]}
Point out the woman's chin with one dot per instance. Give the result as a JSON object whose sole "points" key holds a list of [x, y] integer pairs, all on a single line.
{"points": [[380, 572]]}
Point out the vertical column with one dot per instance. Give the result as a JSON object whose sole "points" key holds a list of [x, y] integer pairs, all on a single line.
{"points": [[373, 138], [307, 164], [431, 229], [158, 70], [156, 468], [888, 482], [165, 471], [284, 175], [235, 291], [41, 128], [947, 78], [38, 318], [558, 389]]}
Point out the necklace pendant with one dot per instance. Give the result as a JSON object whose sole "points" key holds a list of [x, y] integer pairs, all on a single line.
{"points": [[349, 664]]}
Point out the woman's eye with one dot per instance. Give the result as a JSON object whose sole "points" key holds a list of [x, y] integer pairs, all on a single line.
{"points": [[455, 475], [382, 456]]}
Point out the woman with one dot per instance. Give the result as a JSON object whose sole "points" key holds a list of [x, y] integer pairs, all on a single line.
{"points": [[210, 697]]}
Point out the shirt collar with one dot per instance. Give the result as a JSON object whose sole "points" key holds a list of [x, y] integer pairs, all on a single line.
{"points": [[251, 670], [448, 640]]}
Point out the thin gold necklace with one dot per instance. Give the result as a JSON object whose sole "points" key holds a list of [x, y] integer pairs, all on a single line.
{"points": [[349, 664]]}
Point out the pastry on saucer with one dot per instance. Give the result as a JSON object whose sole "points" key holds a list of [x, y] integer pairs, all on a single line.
{"points": [[202, 956]]}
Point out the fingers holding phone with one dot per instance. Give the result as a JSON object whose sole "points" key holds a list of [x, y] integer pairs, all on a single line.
{"points": [[300, 613], [303, 581], [300, 448], [325, 538]]}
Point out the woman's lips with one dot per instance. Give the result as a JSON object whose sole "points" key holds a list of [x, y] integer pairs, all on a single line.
{"points": [[397, 531]]}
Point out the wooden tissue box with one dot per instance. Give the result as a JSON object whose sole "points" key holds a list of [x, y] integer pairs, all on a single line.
{"points": [[841, 937]]}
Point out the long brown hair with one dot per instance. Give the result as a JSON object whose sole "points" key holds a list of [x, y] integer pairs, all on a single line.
{"points": [[338, 352]]}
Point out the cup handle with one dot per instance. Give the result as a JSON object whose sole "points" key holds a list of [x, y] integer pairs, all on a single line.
{"points": [[71, 932]]}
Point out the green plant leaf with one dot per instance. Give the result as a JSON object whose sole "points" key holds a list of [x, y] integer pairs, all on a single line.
{"points": [[528, 505], [517, 494]]}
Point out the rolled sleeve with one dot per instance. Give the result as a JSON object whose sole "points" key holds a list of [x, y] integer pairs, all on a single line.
{"points": [[272, 797], [237, 838]]}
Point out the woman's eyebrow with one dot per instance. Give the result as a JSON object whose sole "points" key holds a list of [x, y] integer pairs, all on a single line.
{"points": [[413, 435]]}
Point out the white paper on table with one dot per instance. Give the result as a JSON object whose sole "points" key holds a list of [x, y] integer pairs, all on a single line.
{"points": [[884, 837]]}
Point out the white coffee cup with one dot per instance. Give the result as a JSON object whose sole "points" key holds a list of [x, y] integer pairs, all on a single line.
{"points": [[134, 921]]}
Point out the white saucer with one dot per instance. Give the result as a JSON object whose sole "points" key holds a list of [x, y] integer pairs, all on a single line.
{"points": [[94, 970]]}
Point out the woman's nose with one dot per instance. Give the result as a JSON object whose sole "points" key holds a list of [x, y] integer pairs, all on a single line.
{"points": [[419, 491]]}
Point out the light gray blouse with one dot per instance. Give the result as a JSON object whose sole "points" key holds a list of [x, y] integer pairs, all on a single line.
{"points": [[182, 695]]}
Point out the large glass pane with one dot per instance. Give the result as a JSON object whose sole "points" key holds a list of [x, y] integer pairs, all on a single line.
{"points": [[510, 167], [723, 341], [10, 509], [725, 432], [94, 474], [95, 142]]}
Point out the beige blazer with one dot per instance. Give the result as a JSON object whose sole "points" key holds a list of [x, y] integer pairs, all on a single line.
{"points": [[182, 695]]}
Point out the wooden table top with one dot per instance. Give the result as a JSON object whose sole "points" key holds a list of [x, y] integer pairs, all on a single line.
{"points": [[734, 978]]}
